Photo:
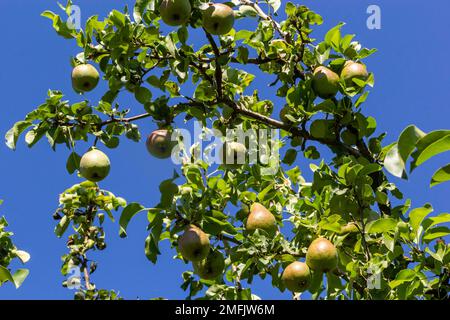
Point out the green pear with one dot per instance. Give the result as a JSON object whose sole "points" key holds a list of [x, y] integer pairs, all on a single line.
{"points": [[159, 144], [350, 227], [84, 78], [211, 267], [94, 165], [322, 255], [325, 82], [175, 12], [261, 218], [233, 154], [354, 70], [193, 244], [296, 277], [218, 19]]}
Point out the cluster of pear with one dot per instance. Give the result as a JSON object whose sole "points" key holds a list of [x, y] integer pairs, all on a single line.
{"points": [[194, 246], [325, 82], [218, 18], [321, 256]]}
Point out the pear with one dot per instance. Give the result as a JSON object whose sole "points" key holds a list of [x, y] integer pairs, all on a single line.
{"points": [[193, 244], [211, 267], [233, 154], [325, 82], [354, 70], [322, 255], [175, 12], [159, 144], [84, 78], [218, 19], [261, 218], [94, 165], [296, 277]]}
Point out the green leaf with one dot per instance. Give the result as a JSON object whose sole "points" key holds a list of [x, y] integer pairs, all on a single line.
{"points": [[73, 162], [416, 216], [128, 212], [440, 176], [333, 37], [5, 275], [183, 34], [139, 9], [275, 4], [407, 141], [432, 221], [143, 95], [19, 277], [434, 233], [381, 225], [22, 255], [406, 275], [13, 134], [394, 163], [62, 226], [431, 145]]}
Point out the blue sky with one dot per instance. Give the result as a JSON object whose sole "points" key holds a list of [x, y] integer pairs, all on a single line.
{"points": [[412, 72]]}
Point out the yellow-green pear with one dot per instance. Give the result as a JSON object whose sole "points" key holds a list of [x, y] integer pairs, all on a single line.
{"points": [[84, 78], [296, 277], [193, 244], [354, 70], [261, 218], [218, 19], [94, 165], [325, 82], [322, 255], [175, 12]]}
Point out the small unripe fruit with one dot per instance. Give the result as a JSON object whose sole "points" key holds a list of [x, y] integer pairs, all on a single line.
{"points": [[159, 144], [261, 218], [175, 12], [84, 78], [193, 244], [94, 165], [211, 267], [218, 19], [353, 70], [325, 82], [296, 277], [350, 227], [322, 255]]}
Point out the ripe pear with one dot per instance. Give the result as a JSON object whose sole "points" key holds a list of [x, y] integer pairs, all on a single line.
{"points": [[233, 154], [84, 78], [325, 82], [211, 267], [353, 70], [261, 218], [159, 144], [296, 277], [193, 244], [175, 12], [218, 19], [94, 165], [322, 255]]}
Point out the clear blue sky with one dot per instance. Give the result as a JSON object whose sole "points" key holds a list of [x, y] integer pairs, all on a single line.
{"points": [[412, 70]]}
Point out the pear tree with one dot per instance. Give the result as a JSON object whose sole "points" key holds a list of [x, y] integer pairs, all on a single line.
{"points": [[324, 229]]}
